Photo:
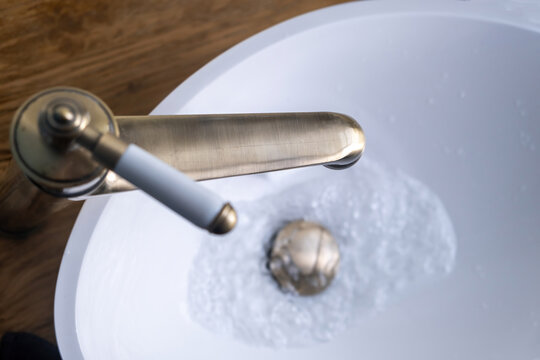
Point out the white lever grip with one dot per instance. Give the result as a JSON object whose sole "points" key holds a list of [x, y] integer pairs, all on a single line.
{"points": [[169, 186]]}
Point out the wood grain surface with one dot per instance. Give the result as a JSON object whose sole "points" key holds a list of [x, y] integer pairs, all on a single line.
{"points": [[131, 54]]}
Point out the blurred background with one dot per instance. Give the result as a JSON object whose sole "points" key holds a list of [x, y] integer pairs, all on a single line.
{"points": [[129, 53]]}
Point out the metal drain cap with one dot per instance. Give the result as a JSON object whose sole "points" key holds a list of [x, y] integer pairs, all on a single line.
{"points": [[304, 258]]}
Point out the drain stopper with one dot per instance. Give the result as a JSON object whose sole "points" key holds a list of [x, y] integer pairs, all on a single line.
{"points": [[304, 258]]}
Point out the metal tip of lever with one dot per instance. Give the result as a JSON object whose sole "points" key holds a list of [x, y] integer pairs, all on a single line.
{"points": [[224, 221]]}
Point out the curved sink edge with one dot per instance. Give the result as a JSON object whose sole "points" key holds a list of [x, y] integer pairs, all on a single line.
{"points": [[65, 296]]}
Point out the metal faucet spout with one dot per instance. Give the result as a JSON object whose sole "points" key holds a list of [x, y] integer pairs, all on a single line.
{"points": [[215, 146]]}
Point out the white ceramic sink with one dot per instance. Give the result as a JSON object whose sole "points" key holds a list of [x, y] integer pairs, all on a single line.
{"points": [[446, 91]]}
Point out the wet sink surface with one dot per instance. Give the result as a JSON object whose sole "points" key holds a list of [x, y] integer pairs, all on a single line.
{"points": [[447, 93]]}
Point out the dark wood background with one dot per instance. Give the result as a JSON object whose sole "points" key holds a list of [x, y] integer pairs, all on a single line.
{"points": [[131, 53]]}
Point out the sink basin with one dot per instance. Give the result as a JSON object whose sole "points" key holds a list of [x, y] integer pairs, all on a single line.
{"points": [[448, 92]]}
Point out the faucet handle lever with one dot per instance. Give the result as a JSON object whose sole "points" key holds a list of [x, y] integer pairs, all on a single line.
{"points": [[169, 186]]}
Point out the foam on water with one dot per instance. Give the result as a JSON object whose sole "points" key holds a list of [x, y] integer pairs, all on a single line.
{"points": [[391, 229]]}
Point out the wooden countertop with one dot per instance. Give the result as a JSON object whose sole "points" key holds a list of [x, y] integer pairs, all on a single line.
{"points": [[131, 54]]}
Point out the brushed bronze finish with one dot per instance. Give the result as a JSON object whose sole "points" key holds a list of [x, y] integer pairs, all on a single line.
{"points": [[225, 221], [215, 146], [304, 258]]}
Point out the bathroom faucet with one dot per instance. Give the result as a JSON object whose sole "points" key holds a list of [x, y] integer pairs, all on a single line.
{"points": [[65, 141]]}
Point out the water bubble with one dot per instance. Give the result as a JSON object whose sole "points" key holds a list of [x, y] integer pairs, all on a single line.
{"points": [[480, 271], [527, 141]]}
